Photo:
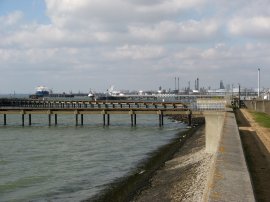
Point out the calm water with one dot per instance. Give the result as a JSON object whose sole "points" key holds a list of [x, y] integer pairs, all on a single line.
{"points": [[68, 163]]}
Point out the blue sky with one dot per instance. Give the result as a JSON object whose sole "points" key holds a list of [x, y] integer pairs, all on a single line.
{"points": [[132, 44], [33, 10]]}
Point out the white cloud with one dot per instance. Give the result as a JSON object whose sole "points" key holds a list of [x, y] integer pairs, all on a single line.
{"points": [[86, 40], [136, 52], [169, 7], [188, 31], [11, 19], [258, 26], [70, 14]]}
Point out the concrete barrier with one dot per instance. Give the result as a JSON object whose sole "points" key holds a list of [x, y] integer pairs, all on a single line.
{"points": [[230, 179], [258, 105], [213, 128]]}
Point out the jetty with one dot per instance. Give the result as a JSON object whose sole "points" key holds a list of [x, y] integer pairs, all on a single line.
{"points": [[81, 107]]}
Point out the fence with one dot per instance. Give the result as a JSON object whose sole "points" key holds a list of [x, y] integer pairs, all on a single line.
{"points": [[210, 104]]}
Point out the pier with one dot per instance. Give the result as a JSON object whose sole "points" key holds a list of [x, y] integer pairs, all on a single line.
{"points": [[80, 108], [212, 110]]}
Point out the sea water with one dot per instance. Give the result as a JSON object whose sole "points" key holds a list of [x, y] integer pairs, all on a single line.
{"points": [[69, 163]]}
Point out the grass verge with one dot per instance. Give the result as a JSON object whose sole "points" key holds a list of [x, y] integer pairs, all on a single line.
{"points": [[262, 118]]}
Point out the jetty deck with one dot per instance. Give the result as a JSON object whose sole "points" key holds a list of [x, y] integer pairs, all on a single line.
{"points": [[81, 107]]}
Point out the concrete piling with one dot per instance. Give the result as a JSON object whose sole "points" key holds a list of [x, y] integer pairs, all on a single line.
{"points": [[30, 119], [5, 119], [81, 119], [108, 119], [49, 118], [76, 119], [22, 119], [189, 118], [132, 120], [55, 119]]}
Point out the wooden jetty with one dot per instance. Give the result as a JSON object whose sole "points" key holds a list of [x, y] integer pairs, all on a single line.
{"points": [[81, 107]]}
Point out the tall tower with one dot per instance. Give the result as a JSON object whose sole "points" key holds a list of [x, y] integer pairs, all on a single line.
{"points": [[259, 81], [175, 83], [198, 87], [178, 85], [221, 85]]}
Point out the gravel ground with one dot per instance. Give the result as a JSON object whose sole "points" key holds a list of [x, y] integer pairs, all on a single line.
{"points": [[183, 178]]}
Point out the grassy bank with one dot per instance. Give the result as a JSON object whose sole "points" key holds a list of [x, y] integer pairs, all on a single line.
{"points": [[262, 118]]}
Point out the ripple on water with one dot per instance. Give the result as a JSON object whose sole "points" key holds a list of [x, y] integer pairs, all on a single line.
{"points": [[67, 163]]}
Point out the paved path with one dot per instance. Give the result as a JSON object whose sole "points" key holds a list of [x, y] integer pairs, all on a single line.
{"points": [[231, 179]]}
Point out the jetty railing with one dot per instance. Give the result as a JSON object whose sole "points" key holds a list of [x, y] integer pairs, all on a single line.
{"points": [[31, 103]]}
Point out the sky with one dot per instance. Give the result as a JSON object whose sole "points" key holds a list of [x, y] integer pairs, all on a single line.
{"points": [[78, 45]]}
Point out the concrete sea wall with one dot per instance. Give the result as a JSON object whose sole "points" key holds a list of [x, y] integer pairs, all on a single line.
{"points": [[229, 179], [258, 105]]}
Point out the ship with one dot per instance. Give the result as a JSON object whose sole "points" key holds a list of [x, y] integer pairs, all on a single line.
{"points": [[41, 91], [44, 92], [111, 94]]}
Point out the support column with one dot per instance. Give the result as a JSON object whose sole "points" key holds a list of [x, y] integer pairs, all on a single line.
{"points": [[162, 119], [135, 119], [22, 119], [131, 117], [104, 120], [189, 118], [5, 119], [55, 119], [50, 119], [108, 119], [30, 119], [76, 117], [82, 119], [214, 122], [159, 118]]}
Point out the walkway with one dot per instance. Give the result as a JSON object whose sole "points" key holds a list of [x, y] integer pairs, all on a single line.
{"points": [[230, 176]]}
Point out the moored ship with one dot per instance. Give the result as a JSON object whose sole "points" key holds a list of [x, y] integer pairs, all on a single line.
{"points": [[44, 92]]}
